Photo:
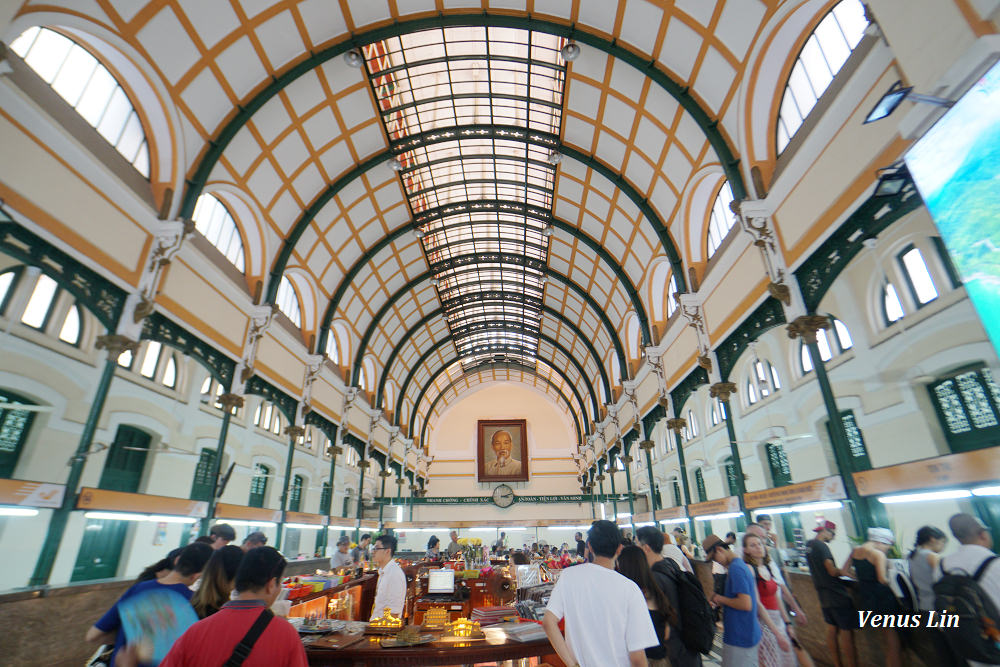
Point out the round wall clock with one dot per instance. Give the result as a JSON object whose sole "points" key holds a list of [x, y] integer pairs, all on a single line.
{"points": [[503, 496]]}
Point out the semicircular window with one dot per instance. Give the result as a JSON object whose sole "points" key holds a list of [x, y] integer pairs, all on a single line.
{"points": [[473, 117], [213, 220], [822, 57], [88, 87]]}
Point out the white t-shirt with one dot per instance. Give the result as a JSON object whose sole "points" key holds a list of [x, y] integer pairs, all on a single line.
{"points": [[606, 615], [390, 591]]}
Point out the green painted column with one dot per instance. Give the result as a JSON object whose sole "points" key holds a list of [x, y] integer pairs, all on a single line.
{"points": [[412, 488], [627, 460], [229, 403], [363, 466], [647, 446], [293, 433], [675, 425], [335, 450], [600, 483], [614, 494], [722, 391], [115, 346], [381, 506], [806, 327]]}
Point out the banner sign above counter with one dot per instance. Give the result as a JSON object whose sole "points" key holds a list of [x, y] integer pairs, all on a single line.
{"points": [[487, 500]]}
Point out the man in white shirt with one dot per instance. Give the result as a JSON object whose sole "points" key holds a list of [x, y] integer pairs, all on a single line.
{"points": [[391, 588], [975, 547], [607, 621]]}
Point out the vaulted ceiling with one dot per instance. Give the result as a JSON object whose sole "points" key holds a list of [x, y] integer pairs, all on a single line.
{"points": [[436, 178]]}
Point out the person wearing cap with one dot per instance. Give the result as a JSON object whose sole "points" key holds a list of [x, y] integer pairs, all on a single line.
{"points": [[253, 541], [342, 556], [839, 614], [741, 630], [221, 534], [975, 546], [869, 565]]}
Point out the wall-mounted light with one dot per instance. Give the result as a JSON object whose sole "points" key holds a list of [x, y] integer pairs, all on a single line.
{"points": [[895, 96], [570, 52], [18, 511], [353, 58], [714, 517], [951, 494], [891, 180]]}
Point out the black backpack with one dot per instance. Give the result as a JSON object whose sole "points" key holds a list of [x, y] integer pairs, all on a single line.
{"points": [[978, 630], [696, 617]]}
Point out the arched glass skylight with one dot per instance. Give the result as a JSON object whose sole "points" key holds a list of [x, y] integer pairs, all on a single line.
{"points": [[213, 220], [722, 219], [89, 88], [824, 53], [288, 301]]}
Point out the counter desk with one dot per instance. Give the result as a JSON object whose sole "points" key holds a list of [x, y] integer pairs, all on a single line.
{"points": [[368, 652]]}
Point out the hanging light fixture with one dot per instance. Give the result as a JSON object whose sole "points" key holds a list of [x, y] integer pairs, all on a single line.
{"points": [[353, 58], [547, 231], [555, 157], [570, 52], [419, 233], [395, 164]]}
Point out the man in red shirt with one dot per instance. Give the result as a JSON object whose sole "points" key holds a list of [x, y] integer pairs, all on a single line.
{"points": [[210, 642]]}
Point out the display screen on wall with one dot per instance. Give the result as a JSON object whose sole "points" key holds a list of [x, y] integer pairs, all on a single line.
{"points": [[956, 167]]}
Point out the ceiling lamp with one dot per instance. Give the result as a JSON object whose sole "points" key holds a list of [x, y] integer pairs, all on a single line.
{"points": [[570, 52], [419, 233], [395, 164], [555, 157], [435, 282], [353, 58], [547, 231]]}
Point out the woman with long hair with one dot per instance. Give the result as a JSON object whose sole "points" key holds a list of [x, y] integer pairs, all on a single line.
{"points": [[217, 580], [632, 563], [777, 633], [924, 561]]}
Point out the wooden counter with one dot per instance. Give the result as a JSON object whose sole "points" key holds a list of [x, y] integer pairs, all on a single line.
{"points": [[369, 653], [360, 604]]}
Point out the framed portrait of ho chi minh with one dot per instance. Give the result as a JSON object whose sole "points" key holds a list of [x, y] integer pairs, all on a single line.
{"points": [[502, 450]]}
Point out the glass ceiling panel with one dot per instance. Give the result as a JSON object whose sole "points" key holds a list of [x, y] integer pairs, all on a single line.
{"points": [[487, 192]]}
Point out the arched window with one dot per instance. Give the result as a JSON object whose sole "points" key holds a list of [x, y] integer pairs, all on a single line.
{"points": [[203, 484], [671, 290], [699, 484], [70, 330], [692, 425], [716, 412], [288, 301], [892, 308], [829, 345], [43, 296], [151, 359], [332, 349], [89, 88], [822, 57], [762, 382], [8, 279], [917, 276], [216, 223], [722, 218], [632, 335]]}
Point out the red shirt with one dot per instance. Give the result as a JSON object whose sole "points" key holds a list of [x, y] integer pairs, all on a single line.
{"points": [[210, 642], [768, 591]]}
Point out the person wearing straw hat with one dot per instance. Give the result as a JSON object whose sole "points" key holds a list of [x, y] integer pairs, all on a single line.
{"points": [[741, 631]]}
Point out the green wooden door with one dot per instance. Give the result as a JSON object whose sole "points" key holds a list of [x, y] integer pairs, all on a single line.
{"points": [[203, 484], [126, 460], [100, 550], [14, 427], [258, 485]]}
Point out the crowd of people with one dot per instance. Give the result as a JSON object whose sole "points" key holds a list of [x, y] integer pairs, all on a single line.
{"points": [[623, 599], [630, 602]]}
